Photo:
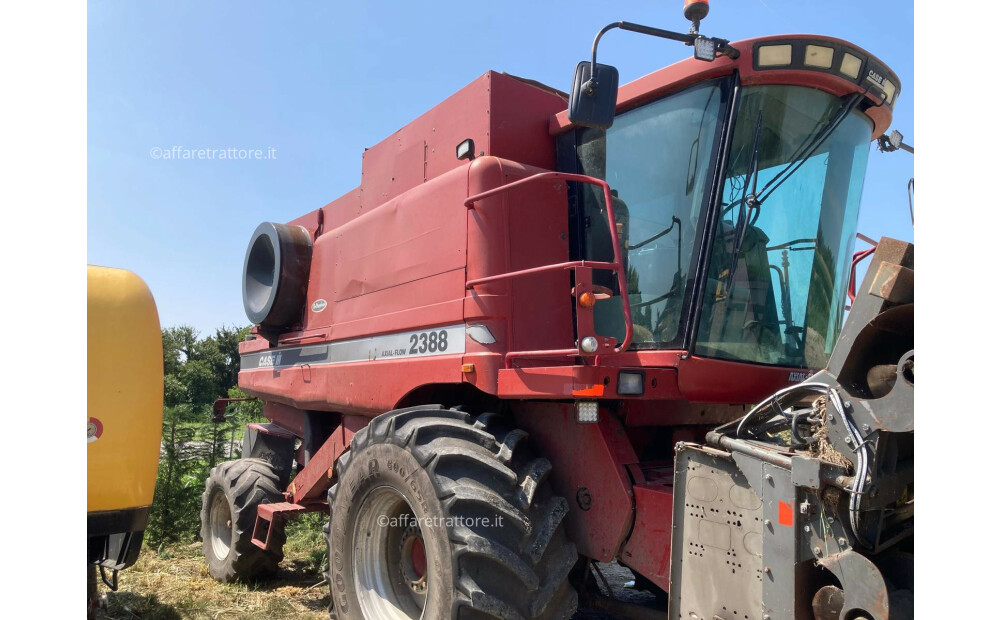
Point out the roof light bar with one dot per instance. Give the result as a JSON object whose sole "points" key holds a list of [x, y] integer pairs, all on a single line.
{"points": [[828, 56]]}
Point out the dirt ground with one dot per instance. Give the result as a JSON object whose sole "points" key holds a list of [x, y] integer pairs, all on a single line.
{"points": [[174, 583]]}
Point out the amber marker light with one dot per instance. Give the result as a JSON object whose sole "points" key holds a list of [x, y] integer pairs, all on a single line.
{"points": [[695, 10], [587, 300]]}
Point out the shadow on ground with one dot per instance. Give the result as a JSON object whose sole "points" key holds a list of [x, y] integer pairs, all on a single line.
{"points": [[122, 605]]}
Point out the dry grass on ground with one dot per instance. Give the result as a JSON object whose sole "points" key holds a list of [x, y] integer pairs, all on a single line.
{"points": [[175, 584]]}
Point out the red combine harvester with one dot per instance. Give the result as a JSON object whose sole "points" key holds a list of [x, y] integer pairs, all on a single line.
{"points": [[548, 331]]}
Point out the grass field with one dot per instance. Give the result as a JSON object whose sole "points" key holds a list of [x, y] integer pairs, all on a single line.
{"points": [[172, 582], [175, 584]]}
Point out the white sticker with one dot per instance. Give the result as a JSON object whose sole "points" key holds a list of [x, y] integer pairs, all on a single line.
{"points": [[440, 341], [423, 343]]}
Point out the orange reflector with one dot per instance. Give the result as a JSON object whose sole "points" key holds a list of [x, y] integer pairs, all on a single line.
{"points": [[596, 389], [587, 300], [786, 516], [467, 368]]}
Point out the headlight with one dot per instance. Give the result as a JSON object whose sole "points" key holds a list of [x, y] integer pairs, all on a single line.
{"points": [[631, 383]]}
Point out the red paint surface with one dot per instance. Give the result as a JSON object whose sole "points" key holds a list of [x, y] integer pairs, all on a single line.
{"points": [[786, 516], [648, 548], [419, 558], [593, 457], [311, 483]]}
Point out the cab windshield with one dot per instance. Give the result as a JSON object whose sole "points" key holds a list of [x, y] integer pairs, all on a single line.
{"points": [[779, 262]]}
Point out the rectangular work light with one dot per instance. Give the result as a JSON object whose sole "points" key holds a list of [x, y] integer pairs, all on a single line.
{"points": [[831, 57], [631, 383], [586, 411], [704, 49]]}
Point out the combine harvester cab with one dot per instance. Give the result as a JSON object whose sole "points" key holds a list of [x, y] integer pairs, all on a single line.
{"points": [[518, 348], [125, 416]]}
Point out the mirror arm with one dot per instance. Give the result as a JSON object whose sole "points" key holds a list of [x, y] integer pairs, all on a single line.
{"points": [[721, 45]]}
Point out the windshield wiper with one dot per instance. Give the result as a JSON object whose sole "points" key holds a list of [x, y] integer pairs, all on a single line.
{"points": [[674, 222], [810, 147], [747, 203], [677, 283], [754, 199], [792, 245]]}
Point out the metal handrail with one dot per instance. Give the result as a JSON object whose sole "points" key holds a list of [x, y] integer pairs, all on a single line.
{"points": [[616, 266]]}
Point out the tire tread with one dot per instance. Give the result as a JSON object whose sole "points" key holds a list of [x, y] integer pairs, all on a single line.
{"points": [[478, 466]]}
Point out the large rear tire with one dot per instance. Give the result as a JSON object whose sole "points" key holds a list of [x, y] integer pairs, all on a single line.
{"points": [[439, 515], [233, 491]]}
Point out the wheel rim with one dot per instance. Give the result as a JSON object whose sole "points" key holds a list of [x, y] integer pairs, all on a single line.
{"points": [[221, 530], [390, 563]]}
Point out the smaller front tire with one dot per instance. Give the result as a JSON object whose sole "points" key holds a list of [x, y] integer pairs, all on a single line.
{"points": [[233, 491]]}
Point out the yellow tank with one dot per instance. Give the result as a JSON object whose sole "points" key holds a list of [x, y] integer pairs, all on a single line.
{"points": [[124, 413]]}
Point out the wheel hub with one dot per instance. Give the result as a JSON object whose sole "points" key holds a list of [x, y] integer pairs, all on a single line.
{"points": [[413, 560]]}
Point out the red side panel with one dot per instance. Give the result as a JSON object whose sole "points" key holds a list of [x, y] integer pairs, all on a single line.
{"points": [[425, 148], [648, 548], [363, 388], [519, 118], [589, 470], [332, 215], [504, 116], [358, 268], [706, 380]]}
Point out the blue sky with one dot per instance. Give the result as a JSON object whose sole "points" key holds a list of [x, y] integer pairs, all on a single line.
{"points": [[319, 82]]}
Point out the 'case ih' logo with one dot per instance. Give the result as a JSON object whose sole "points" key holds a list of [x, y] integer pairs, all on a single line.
{"points": [[269, 359]]}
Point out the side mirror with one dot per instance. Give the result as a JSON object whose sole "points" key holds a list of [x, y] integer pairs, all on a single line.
{"points": [[593, 98]]}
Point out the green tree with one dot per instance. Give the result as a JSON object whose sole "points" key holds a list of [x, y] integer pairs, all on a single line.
{"points": [[197, 371]]}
